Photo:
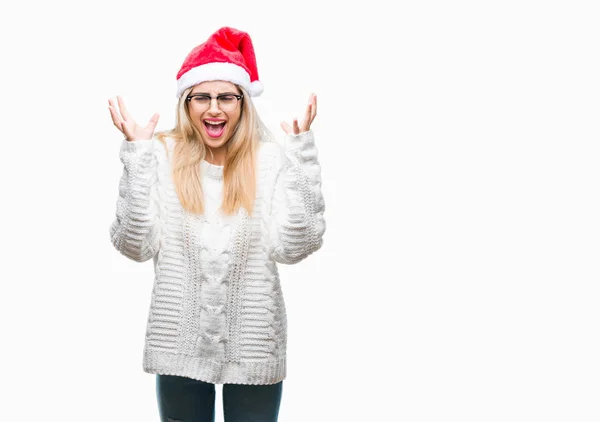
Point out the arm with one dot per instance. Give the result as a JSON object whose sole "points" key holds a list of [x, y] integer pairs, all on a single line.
{"points": [[297, 224], [135, 232]]}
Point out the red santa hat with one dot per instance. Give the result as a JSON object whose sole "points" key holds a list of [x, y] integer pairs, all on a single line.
{"points": [[227, 55]]}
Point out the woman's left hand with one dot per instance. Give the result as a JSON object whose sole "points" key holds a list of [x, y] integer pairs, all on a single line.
{"points": [[309, 116]]}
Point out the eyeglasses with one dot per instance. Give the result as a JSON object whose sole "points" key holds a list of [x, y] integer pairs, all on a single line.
{"points": [[226, 102]]}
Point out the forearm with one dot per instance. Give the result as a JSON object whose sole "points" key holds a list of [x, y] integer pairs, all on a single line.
{"points": [[135, 230], [298, 205]]}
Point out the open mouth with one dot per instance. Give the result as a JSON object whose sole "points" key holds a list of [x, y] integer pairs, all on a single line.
{"points": [[214, 128]]}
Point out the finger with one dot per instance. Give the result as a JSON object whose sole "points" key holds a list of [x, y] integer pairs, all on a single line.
{"points": [[286, 128], [152, 123], [123, 109], [307, 118], [296, 127], [112, 104], [127, 132], [313, 108], [114, 115]]}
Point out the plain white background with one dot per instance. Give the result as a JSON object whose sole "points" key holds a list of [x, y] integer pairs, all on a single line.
{"points": [[459, 144]]}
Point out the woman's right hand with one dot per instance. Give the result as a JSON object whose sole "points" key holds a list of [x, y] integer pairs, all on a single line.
{"points": [[123, 121]]}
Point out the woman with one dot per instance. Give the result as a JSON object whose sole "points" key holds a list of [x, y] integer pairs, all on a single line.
{"points": [[216, 205]]}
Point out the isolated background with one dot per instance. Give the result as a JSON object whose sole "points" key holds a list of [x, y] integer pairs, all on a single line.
{"points": [[459, 276]]}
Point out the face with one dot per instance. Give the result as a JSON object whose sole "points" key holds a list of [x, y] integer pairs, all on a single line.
{"points": [[215, 123]]}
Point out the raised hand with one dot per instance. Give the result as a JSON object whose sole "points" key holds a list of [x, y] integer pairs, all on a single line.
{"points": [[123, 121], [309, 116]]}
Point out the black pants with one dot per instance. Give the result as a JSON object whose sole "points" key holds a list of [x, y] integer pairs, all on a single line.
{"points": [[188, 400]]}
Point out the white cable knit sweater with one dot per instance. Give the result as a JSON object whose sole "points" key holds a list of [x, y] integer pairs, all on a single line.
{"points": [[217, 313]]}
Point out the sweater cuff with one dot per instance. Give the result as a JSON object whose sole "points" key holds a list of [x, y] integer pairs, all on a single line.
{"points": [[135, 146], [302, 141]]}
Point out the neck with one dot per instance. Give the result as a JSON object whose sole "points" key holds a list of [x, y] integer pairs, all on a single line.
{"points": [[216, 156]]}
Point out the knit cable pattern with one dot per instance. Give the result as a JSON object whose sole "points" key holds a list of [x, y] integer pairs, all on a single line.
{"points": [[217, 311]]}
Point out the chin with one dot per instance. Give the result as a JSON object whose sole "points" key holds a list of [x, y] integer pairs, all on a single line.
{"points": [[215, 143]]}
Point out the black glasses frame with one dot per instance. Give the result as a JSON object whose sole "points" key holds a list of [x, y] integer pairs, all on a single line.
{"points": [[238, 96]]}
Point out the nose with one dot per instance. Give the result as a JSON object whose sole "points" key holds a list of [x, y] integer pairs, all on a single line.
{"points": [[214, 106]]}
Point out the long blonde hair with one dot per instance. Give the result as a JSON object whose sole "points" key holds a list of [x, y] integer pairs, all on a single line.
{"points": [[239, 170]]}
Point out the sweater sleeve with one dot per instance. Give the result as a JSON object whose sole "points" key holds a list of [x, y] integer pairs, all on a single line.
{"points": [[135, 232], [297, 223]]}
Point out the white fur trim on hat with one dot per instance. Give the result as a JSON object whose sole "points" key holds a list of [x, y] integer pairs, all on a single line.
{"points": [[218, 72], [256, 88]]}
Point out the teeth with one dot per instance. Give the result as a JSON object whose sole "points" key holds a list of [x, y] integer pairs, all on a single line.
{"points": [[213, 123]]}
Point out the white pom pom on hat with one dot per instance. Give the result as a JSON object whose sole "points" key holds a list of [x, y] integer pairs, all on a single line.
{"points": [[227, 55]]}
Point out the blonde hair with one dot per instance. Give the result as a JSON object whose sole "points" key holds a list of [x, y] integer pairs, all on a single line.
{"points": [[239, 170]]}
